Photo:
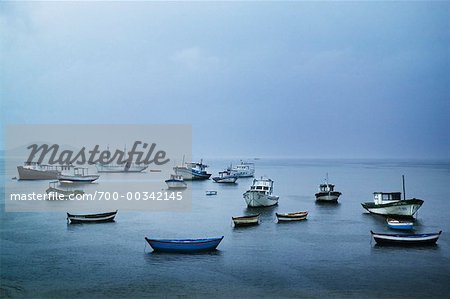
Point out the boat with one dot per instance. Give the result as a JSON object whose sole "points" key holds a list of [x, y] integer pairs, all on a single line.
{"points": [[184, 245], [176, 182], [399, 224], [225, 177], [406, 239], [291, 216], [91, 218], [246, 220], [80, 175], [260, 193], [38, 171], [391, 204], [211, 192], [193, 171], [243, 170], [326, 192], [55, 193], [120, 168]]}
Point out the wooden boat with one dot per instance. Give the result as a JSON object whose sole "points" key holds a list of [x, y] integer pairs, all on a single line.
{"points": [[292, 216], [399, 224], [211, 192], [406, 239], [225, 177], [260, 194], [38, 171], [184, 245], [327, 193], [91, 218], [192, 171], [80, 175], [246, 220], [176, 182], [55, 193]]}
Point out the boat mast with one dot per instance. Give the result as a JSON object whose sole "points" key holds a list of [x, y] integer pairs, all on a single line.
{"points": [[403, 185]]}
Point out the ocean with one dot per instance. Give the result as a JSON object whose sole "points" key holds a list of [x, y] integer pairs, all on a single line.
{"points": [[330, 255]]}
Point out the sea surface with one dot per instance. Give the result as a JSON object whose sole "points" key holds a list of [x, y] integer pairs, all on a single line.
{"points": [[330, 255]]}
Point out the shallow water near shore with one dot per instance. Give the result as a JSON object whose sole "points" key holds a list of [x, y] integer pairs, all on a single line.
{"points": [[329, 255]]}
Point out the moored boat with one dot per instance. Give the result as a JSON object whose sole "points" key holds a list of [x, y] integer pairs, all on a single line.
{"points": [[406, 239], [120, 168], [193, 171], [211, 192], [327, 193], [242, 170], [176, 182], [260, 193], [54, 192], [391, 204], [80, 175], [225, 177], [246, 220], [399, 224], [184, 245], [91, 218], [38, 171], [291, 216]]}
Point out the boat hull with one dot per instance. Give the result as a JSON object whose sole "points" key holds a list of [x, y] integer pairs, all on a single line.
{"points": [[189, 174], [226, 180], [78, 179], [34, 174], [120, 169], [406, 239], [328, 196], [258, 199], [291, 216], [92, 218], [246, 220], [399, 225], [176, 184], [402, 208], [184, 245]]}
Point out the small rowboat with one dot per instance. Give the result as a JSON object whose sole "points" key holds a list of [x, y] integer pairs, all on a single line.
{"points": [[91, 218], [246, 220], [292, 216], [211, 192], [184, 245], [406, 239], [399, 224]]}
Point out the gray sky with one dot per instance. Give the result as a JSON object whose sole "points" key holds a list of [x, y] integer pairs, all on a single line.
{"points": [[331, 80]]}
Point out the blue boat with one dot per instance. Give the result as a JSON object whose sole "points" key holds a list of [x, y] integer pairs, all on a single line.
{"points": [[399, 224], [184, 245]]}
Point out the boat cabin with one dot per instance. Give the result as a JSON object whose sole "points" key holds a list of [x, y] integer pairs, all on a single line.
{"points": [[263, 185], [176, 177], [386, 197], [326, 188]]}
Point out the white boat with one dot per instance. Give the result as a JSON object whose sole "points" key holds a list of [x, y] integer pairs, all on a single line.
{"points": [[176, 182], [243, 170], [225, 177], [120, 168], [327, 193], [38, 171], [80, 175], [391, 204], [260, 193], [211, 192], [291, 216], [193, 171], [399, 224], [55, 192]]}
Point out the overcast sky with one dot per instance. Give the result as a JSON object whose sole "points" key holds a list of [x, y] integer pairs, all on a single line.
{"points": [[326, 80]]}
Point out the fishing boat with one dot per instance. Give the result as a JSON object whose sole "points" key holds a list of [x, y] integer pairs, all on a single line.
{"points": [[211, 192], [184, 245], [260, 193], [391, 204], [291, 216], [38, 171], [80, 175], [246, 220], [91, 218], [399, 224], [176, 182], [225, 177], [120, 168], [193, 171], [243, 170], [327, 193], [55, 192], [406, 239]]}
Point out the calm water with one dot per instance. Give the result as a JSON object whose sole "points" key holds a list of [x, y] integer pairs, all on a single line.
{"points": [[329, 255]]}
